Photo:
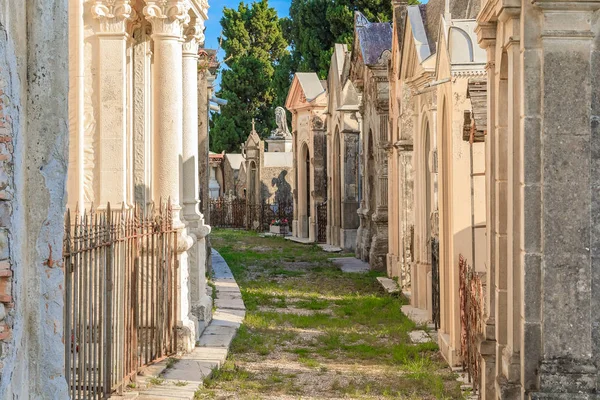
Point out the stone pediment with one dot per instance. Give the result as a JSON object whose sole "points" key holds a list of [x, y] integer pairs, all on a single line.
{"points": [[306, 91]]}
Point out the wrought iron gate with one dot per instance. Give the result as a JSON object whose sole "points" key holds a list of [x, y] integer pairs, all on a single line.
{"points": [[435, 281], [120, 297], [322, 222], [242, 214]]}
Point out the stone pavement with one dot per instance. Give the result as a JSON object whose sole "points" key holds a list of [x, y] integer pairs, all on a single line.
{"points": [[184, 377], [300, 240], [351, 264]]}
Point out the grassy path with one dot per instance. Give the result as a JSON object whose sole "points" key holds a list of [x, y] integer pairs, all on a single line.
{"points": [[314, 332]]}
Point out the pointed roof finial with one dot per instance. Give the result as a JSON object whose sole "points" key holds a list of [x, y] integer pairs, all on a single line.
{"points": [[253, 125]]}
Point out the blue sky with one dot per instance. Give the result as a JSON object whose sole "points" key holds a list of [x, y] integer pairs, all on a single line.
{"points": [[215, 13]]}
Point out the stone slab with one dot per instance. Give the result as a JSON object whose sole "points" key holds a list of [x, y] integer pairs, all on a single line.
{"points": [[232, 318], [416, 315], [419, 337], [389, 285], [211, 350], [351, 265], [230, 304], [330, 249], [300, 240]]}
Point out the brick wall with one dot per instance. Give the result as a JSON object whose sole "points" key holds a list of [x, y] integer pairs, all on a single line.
{"points": [[6, 195]]}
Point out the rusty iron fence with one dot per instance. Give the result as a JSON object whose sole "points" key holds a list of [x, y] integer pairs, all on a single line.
{"points": [[243, 214], [322, 222], [471, 315], [120, 296]]}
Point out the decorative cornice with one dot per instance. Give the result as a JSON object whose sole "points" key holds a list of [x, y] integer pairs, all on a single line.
{"points": [[113, 15], [486, 33], [468, 73], [168, 17], [567, 5]]}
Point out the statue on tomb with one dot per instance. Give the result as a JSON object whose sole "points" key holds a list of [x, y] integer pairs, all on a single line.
{"points": [[282, 130]]}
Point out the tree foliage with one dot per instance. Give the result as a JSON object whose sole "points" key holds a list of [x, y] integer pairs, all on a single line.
{"points": [[255, 49], [315, 26]]}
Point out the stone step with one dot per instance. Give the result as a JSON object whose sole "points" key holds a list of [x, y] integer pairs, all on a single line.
{"points": [[389, 285]]}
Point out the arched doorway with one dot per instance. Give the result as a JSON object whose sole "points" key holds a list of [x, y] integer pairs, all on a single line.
{"points": [[252, 183], [370, 195], [304, 189]]}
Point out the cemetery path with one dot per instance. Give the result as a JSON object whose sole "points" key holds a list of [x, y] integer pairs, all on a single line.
{"points": [[314, 332]]}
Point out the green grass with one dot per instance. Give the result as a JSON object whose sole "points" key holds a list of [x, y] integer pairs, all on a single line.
{"points": [[171, 362], [156, 381], [290, 288]]}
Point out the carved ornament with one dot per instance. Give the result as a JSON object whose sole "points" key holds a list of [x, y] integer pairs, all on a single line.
{"points": [[193, 36], [113, 15], [168, 17], [317, 123]]}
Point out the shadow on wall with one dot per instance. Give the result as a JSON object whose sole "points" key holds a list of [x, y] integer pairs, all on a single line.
{"points": [[283, 193], [283, 190]]}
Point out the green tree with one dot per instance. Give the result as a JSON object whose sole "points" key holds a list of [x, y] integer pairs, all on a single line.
{"points": [[314, 26], [255, 50]]}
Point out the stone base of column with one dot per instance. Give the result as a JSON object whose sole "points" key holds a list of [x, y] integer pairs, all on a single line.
{"points": [[487, 350], [451, 354], [186, 328], [348, 239], [201, 300], [567, 379], [421, 287], [312, 230], [378, 253], [202, 312], [186, 336], [563, 396], [511, 365]]}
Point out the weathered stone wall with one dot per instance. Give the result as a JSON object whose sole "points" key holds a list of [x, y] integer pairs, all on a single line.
{"points": [[6, 195], [33, 162], [229, 179], [372, 244], [277, 184]]}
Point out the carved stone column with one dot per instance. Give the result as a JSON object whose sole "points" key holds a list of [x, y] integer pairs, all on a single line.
{"points": [[349, 217], [379, 242], [203, 149], [113, 18], [486, 32], [201, 304], [193, 36], [168, 20]]}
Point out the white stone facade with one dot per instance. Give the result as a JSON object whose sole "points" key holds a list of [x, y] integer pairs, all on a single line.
{"points": [[134, 122]]}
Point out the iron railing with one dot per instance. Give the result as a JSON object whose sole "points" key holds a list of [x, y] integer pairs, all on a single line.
{"points": [[322, 222], [243, 214], [120, 296], [471, 316], [435, 282]]}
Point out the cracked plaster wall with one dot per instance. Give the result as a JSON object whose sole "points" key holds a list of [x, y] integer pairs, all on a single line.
{"points": [[33, 162]]}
